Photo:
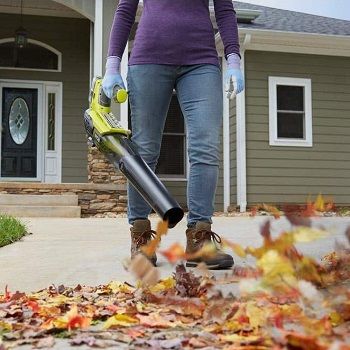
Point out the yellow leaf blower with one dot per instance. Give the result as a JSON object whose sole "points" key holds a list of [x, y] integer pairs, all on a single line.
{"points": [[105, 132]]}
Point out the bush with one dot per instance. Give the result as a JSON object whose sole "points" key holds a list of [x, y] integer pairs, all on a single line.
{"points": [[11, 230]]}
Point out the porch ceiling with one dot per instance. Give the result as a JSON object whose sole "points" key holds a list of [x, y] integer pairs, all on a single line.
{"points": [[38, 7]]}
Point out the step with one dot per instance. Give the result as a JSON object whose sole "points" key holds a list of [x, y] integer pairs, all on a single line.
{"points": [[41, 211], [39, 200]]}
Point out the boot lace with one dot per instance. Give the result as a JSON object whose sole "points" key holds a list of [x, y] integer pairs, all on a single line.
{"points": [[144, 238], [204, 235]]}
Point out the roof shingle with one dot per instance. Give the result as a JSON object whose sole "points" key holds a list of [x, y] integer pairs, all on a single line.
{"points": [[291, 21]]}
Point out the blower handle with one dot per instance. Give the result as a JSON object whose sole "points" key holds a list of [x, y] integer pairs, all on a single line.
{"points": [[120, 95]]}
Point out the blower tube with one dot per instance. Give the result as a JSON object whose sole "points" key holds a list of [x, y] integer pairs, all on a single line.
{"points": [[144, 180]]}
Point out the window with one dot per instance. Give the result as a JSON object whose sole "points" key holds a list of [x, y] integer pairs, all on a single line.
{"points": [[35, 55], [172, 159], [290, 104], [51, 121]]}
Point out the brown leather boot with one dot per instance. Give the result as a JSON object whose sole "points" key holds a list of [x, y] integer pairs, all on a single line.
{"points": [[200, 235], [141, 234]]}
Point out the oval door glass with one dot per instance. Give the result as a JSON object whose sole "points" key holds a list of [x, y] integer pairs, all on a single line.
{"points": [[19, 121]]}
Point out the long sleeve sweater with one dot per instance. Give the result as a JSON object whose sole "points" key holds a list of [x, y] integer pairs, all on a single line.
{"points": [[174, 32]]}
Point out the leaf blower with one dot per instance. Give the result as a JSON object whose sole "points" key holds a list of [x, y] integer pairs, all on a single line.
{"points": [[105, 132]]}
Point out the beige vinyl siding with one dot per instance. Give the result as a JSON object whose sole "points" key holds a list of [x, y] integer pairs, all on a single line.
{"points": [[71, 37], [233, 155], [219, 196], [289, 174]]}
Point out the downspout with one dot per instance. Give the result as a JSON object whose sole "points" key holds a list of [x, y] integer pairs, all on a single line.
{"points": [[241, 137]]}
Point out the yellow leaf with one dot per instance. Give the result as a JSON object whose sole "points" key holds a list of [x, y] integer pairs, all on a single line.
{"points": [[336, 319], [5, 326], [240, 339], [239, 250], [256, 315], [275, 267], [308, 234], [117, 287], [163, 285], [120, 320], [319, 203], [208, 250]]}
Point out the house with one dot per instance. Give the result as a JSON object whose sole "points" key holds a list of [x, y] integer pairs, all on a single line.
{"points": [[285, 137]]}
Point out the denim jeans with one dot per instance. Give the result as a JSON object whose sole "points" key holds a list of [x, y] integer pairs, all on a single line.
{"points": [[199, 91]]}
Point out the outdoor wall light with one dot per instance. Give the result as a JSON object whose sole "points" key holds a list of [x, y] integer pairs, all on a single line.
{"points": [[21, 34]]}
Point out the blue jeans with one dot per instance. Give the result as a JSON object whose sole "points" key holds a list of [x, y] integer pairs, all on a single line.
{"points": [[199, 91]]}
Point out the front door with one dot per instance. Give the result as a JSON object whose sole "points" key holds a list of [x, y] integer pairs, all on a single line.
{"points": [[19, 136]]}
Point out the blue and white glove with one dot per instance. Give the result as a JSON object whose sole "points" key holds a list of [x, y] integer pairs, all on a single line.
{"points": [[234, 81], [112, 76]]}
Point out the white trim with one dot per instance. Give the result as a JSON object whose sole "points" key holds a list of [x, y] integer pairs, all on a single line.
{"points": [[41, 44], [169, 179], [293, 42], [40, 140], [124, 107], [55, 157], [273, 137], [42, 127], [226, 142], [241, 137], [98, 39]]}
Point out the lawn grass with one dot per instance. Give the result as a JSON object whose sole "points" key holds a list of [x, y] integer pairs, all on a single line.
{"points": [[11, 230]]}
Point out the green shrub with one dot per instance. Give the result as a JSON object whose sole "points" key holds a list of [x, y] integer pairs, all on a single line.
{"points": [[11, 230]]}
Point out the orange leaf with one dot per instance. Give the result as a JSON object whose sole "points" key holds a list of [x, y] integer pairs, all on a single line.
{"points": [[309, 211], [34, 306], [272, 210], [75, 320], [174, 253], [71, 320], [7, 293], [153, 245]]}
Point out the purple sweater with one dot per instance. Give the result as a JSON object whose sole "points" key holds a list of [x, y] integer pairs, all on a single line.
{"points": [[174, 32]]}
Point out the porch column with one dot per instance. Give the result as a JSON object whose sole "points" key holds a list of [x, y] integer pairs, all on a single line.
{"points": [[241, 138], [98, 39]]}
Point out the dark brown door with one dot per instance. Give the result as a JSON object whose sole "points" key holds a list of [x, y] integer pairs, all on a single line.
{"points": [[19, 132]]}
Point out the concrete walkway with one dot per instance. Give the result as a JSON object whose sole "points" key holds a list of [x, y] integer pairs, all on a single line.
{"points": [[91, 251]]}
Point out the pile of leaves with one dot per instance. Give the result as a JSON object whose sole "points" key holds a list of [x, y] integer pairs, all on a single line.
{"points": [[286, 301]]}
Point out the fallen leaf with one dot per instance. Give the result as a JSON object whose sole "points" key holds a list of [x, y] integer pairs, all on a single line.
{"points": [[45, 343], [308, 234], [236, 248], [141, 267], [174, 253], [152, 246], [120, 320]]}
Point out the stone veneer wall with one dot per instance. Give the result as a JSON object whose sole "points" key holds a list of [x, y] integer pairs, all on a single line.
{"points": [[101, 171], [95, 200], [104, 195]]}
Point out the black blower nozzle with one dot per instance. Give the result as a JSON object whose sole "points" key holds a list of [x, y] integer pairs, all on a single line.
{"points": [[146, 182]]}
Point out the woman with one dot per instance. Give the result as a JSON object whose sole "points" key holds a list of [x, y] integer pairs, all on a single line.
{"points": [[174, 48]]}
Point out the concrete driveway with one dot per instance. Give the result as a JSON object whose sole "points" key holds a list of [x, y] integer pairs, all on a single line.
{"points": [[91, 251]]}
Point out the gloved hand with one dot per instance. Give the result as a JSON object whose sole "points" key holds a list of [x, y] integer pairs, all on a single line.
{"points": [[234, 80], [112, 76]]}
